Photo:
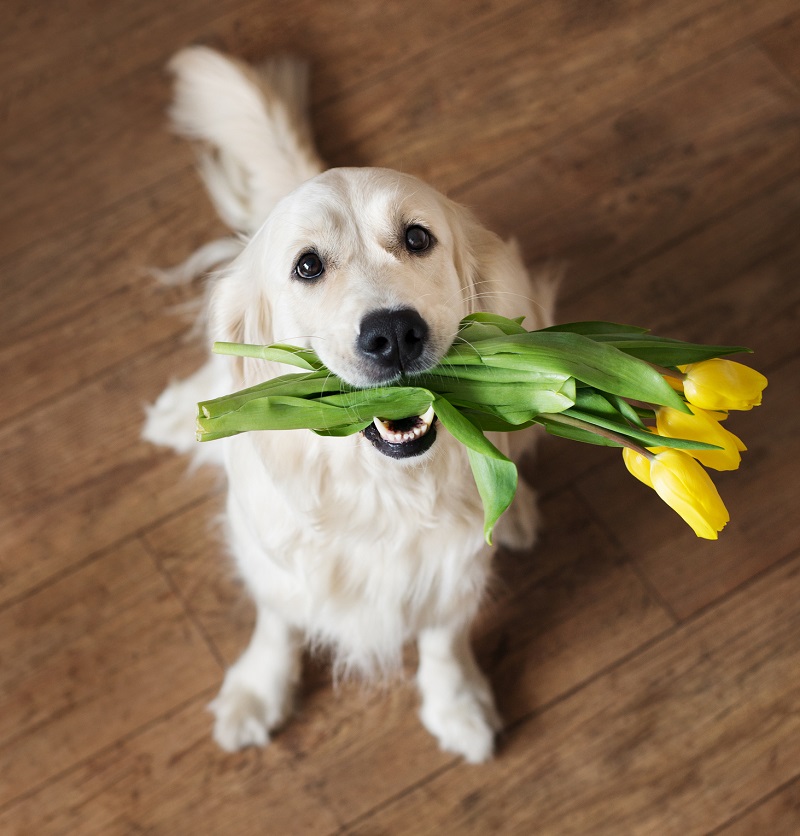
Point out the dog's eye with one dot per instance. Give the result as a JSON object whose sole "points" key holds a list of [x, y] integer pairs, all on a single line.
{"points": [[418, 239], [309, 266]]}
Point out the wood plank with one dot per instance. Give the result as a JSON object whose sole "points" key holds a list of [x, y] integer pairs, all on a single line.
{"points": [[718, 285], [171, 779], [574, 68], [98, 339], [557, 618], [561, 68], [780, 43], [91, 264], [603, 197], [77, 477], [691, 573], [779, 815], [88, 660], [575, 587], [74, 317], [81, 125], [39, 544], [191, 549], [88, 432], [132, 35], [675, 741]]}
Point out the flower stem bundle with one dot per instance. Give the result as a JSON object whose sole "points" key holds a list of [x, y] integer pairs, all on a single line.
{"points": [[595, 382]]}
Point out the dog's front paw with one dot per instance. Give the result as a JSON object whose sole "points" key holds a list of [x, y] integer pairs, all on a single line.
{"points": [[465, 725], [242, 719]]}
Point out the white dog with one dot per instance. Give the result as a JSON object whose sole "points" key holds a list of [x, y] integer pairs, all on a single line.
{"points": [[366, 542]]}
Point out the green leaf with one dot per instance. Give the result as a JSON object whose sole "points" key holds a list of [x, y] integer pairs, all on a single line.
{"points": [[596, 327], [291, 355], [296, 385], [548, 396], [390, 403], [340, 432], [278, 412], [495, 475], [666, 352], [507, 326], [646, 438], [626, 410], [571, 433], [602, 366]]}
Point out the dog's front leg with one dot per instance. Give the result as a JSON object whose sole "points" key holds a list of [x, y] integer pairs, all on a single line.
{"points": [[457, 703], [258, 692]]}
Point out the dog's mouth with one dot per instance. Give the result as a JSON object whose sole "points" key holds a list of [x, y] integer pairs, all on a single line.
{"points": [[403, 438]]}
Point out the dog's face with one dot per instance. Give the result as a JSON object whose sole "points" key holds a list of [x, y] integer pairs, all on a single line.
{"points": [[369, 268]]}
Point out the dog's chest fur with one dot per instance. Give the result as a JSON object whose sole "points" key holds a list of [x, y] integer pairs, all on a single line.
{"points": [[355, 550]]}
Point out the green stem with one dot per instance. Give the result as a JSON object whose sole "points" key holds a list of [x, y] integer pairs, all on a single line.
{"points": [[593, 428], [663, 370]]}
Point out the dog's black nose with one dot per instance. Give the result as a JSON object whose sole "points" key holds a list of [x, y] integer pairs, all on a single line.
{"points": [[392, 340]]}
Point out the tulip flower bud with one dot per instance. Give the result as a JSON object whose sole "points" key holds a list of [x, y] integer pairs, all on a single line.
{"points": [[638, 465], [722, 384], [680, 481], [683, 484], [702, 426]]}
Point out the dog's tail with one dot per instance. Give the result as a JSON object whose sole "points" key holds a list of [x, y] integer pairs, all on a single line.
{"points": [[254, 128], [254, 137]]}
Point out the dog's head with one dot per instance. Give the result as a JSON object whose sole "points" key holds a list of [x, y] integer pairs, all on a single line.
{"points": [[373, 270]]}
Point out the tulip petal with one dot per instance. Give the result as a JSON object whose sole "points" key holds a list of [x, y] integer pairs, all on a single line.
{"points": [[638, 465], [723, 384], [703, 426], [683, 484]]}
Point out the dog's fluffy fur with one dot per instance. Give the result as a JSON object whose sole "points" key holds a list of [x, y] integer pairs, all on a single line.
{"points": [[338, 544]]}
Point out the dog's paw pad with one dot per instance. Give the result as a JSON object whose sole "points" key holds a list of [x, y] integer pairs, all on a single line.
{"points": [[241, 720], [464, 727]]}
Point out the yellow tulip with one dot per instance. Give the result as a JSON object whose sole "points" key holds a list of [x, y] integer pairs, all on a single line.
{"points": [[638, 465], [683, 484], [722, 384], [703, 426]]}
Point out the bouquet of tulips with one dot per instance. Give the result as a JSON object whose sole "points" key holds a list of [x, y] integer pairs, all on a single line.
{"points": [[662, 401]]}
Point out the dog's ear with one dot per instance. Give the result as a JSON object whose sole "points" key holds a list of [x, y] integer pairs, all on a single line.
{"points": [[493, 275], [239, 312]]}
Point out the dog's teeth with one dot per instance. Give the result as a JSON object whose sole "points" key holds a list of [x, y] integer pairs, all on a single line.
{"points": [[401, 437], [385, 433], [427, 418]]}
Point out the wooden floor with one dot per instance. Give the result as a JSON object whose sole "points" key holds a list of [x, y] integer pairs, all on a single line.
{"points": [[650, 681]]}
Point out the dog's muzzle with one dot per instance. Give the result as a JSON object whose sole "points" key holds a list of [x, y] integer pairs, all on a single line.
{"points": [[394, 342]]}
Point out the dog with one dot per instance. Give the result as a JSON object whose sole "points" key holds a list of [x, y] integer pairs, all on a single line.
{"points": [[363, 543]]}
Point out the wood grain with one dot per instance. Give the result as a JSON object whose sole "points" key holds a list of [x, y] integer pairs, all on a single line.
{"points": [[780, 43], [114, 129], [170, 779], [191, 549], [56, 710], [778, 815], [689, 731], [563, 66], [77, 478], [625, 186]]}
